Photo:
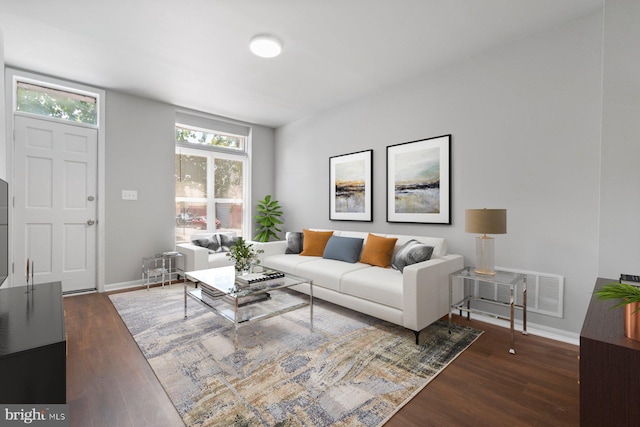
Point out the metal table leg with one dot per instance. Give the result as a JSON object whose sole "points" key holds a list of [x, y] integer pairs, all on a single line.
{"points": [[185, 296], [450, 302], [524, 307], [512, 344]]}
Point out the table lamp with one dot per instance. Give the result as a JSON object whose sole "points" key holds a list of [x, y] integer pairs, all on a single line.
{"points": [[485, 221]]}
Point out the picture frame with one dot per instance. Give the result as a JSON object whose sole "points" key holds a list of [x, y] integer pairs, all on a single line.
{"points": [[419, 181], [351, 187]]}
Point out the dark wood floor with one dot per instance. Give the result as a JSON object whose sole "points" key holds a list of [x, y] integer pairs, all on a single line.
{"points": [[110, 383]]}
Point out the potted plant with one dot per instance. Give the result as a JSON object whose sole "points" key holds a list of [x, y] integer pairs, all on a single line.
{"points": [[244, 256], [629, 297], [268, 219]]}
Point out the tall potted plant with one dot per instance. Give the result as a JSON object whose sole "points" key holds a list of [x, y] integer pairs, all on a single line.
{"points": [[268, 219], [629, 297]]}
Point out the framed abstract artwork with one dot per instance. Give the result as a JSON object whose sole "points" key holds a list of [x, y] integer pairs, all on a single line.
{"points": [[419, 181], [351, 187]]}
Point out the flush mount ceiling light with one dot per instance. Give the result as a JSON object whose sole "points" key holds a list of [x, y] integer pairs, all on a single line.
{"points": [[265, 46]]}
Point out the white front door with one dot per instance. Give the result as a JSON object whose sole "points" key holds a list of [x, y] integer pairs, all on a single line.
{"points": [[55, 202]]}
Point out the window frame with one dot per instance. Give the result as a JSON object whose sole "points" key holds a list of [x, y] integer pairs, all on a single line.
{"points": [[20, 77], [212, 152], [212, 132]]}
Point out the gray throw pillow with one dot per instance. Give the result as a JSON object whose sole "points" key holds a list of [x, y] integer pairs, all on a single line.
{"points": [[343, 249], [411, 252], [295, 240], [212, 243], [226, 241]]}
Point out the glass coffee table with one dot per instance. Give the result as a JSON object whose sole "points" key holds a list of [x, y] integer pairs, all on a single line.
{"points": [[244, 299]]}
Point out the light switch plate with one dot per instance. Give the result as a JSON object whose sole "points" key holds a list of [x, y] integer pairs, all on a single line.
{"points": [[129, 195]]}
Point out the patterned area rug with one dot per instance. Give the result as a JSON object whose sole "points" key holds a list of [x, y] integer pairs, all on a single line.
{"points": [[351, 370]]}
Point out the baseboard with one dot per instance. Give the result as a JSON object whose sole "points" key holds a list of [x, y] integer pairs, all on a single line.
{"points": [[533, 329], [123, 285], [130, 285]]}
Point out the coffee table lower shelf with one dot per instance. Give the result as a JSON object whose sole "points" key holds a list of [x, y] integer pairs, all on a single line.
{"points": [[241, 306], [283, 302]]}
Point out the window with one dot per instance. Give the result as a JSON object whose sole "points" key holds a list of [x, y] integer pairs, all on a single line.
{"points": [[207, 138], [58, 103], [211, 170]]}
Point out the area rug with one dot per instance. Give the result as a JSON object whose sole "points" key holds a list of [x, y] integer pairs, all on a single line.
{"points": [[352, 370]]}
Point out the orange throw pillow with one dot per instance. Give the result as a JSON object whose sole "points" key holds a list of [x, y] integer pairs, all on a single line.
{"points": [[378, 250], [314, 242]]}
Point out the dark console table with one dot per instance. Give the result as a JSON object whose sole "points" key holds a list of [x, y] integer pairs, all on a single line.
{"points": [[32, 345], [609, 367]]}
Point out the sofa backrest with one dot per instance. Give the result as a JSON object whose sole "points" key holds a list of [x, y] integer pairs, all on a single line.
{"points": [[439, 244]]}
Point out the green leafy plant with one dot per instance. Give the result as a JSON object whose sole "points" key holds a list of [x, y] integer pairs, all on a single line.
{"points": [[243, 255], [268, 219], [623, 291]]}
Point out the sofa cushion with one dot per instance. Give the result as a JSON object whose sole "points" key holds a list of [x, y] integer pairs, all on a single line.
{"points": [[219, 259], [327, 273], [315, 242], [410, 253], [380, 285], [343, 249], [295, 240], [378, 250], [286, 262]]}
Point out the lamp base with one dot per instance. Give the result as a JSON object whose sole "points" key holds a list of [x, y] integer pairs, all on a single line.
{"points": [[484, 255], [484, 272]]}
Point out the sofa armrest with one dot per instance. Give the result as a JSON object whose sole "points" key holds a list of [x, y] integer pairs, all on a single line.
{"points": [[270, 248], [426, 290], [193, 257]]}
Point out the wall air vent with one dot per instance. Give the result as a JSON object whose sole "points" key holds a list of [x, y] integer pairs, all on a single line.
{"points": [[545, 292]]}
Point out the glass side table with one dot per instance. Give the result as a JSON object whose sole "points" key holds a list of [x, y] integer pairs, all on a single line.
{"points": [[153, 270], [160, 268], [171, 264], [472, 281]]}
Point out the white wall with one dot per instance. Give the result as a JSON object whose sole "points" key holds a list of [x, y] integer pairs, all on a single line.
{"points": [[140, 150], [3, 125], [620, 209], [525, 120], [140, 155], [262, 166]]}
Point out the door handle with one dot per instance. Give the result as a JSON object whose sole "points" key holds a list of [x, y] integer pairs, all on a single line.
{"points": [[90, 222]]}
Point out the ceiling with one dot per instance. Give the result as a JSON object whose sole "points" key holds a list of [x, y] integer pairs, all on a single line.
{"points": [[194, 53]]}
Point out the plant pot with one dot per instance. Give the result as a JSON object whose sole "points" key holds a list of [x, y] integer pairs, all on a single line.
{"points": [[632, 321]]}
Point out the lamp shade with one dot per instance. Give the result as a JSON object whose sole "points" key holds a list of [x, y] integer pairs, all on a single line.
{"points": [[486, 221]]}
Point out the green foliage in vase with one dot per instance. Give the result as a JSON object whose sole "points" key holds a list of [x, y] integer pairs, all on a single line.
{"points": [[243, 255], [625, 292], [268, 219]]}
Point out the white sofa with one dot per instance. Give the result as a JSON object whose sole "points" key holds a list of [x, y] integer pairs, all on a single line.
{"points": [[414, 298], [199, 258]]}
